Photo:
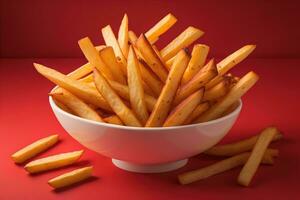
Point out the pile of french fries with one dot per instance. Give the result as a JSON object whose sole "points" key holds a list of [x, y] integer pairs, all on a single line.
{"points": [[249, 153], [129, 81], [52, 162]]}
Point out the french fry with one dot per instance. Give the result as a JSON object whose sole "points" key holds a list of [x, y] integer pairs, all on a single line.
{"points": [[217, 91], [92, 55], [108, 56], [81, 71], [233, 95], [208, 72], [100, 47], [230, 61], [53, 162], [123, 36], [157, 52], [237, 147], [147, 89], [81, 90], [110, 40], [34, 148], [169, 63], [62, 106], [165, 100], [160, 28], [199, 55], [181, 112], [136, 91], [132, 37], [187, 37], [151, 58], [201, 108], [77, 106], [217, 80], [150, 78], [71, 177], [256, 156], [219, 167], [87, 79], [114, 119], [117, 105]]}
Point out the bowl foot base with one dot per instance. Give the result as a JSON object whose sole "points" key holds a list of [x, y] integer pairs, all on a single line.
{"points": [[151, 168]]}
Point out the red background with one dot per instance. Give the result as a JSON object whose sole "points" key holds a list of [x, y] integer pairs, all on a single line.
{"points": [[50, 29]]}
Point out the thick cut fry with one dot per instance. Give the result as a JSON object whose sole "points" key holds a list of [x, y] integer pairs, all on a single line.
{"points": [[53, 162], [71, 177], [92, 55], [219, 167], [63, 106], [151, 58], [110, 40], [150, 78], [123, 36], [230, 61], [81, 90], [217, 91], [100, 47], [187, 37], [165, 100], [201, 108], [81, 71], [118, 106], [199, 55], [136, 91], [237, 147], [181, 112], [87, 79], [160, 28], [256, 156], [169, 63], [114, 119], [233, 95], [108, 56], [157, 52], [77, 106], [217, 80], [35, 148], [132, 37], [208, 72]]}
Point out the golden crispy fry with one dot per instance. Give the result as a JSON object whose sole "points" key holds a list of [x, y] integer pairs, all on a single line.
{"points": [[110, 40], [87, 79], [181, 112], [230, 61], [164, 102], [77, 106], [100, 47], [62, 106], [237, 147], [199, 55], [157, 52], [53, 162], [81, 90], [71, 177], [233, 95], [118, 106], [108, 56], [160, 28], [208, 72], [123, 36], [217, 91], [150, 78], [136, 91], [217, 80], [92, 55], [169, 63], [114, 119], [34, 148], [187, 37], [218, 167], [151, 58], [132, 37], [81, 71], [256, 156], [201, 108]]}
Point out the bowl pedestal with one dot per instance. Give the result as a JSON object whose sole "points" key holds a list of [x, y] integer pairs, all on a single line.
{"points": [[151, 168]]}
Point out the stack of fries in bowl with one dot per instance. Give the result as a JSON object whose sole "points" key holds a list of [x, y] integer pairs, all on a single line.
{"points": [[149, 109]]}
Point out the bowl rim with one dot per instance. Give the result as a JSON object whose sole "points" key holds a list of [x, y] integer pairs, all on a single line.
{"points": [[58, 109]]}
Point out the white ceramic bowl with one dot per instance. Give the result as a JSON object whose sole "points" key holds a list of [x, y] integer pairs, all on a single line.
{"points": [[146, 150]]}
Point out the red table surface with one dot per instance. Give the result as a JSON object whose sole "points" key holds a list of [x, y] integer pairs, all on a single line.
{"points": [[27, 116]]}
